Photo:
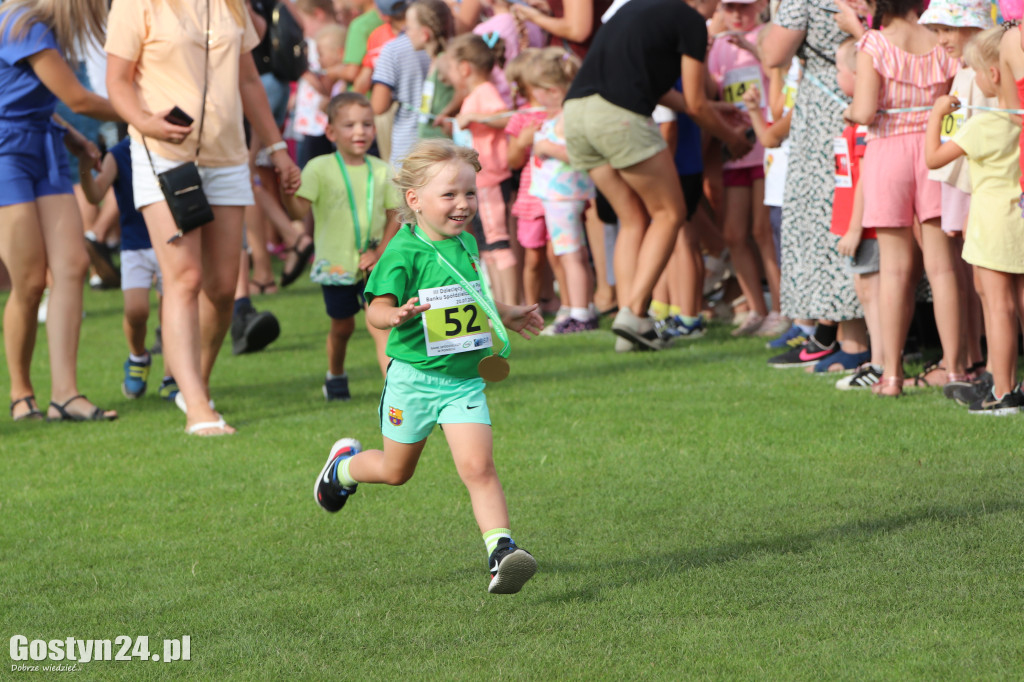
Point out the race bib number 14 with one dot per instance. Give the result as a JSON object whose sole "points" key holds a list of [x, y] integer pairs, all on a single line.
{"points": [[454, 323]]}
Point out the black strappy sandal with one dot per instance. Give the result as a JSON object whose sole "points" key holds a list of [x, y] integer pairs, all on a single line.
{"points": [[289, 276], [98, 414], [261, 287], [33, 410]]}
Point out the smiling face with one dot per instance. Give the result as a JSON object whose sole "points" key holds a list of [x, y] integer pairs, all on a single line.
{"points": [[445, 205], [352, 131], [741, 16]]}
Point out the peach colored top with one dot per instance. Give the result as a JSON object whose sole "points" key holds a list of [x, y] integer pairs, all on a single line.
{"points": [[168, 50]]}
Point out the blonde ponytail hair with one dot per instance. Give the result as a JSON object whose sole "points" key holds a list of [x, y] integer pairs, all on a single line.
{"points": [[75, 23]]}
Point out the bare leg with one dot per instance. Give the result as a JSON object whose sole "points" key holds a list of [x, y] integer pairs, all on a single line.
{"points": [[182, 266], [940, 263], [136, 315], [220, 246], [604, 293], [897, 253], [394, 465], [533, 267], [1001, 299], [472, 446], [762, 233], [337, 343], [22, 251], [61, 226], [649, 188], [737, 227], [868, 293]]}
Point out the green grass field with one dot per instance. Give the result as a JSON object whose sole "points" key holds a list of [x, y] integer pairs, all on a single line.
{"points": [[695, 514]]}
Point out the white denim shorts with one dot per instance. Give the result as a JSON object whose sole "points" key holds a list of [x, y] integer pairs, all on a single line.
{"points": [[223, 185], [138, 268]]}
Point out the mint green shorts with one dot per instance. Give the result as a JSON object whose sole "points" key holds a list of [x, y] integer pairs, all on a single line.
{"points": [[414, 400]]}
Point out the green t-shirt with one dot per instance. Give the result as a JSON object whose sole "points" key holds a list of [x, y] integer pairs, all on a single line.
{"points": [[359, 31], [436, 96], [337, 250], [455, 328]]}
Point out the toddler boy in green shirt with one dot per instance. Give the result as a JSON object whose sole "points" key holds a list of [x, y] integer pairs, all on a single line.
{"points": [[354, 207]]}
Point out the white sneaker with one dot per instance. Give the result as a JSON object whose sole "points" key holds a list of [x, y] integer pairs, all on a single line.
{"points": [[750, 324], [774, 324]]}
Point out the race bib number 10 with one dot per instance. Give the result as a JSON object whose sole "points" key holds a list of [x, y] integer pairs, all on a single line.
{"points": [[454, 323]]}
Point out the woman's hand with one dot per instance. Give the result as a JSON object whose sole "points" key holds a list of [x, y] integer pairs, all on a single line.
{"points": [[288, 174], [157, 126], [848, 19]]}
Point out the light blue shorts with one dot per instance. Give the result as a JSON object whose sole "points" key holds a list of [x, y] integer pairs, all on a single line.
{"points": [[414, 400]]}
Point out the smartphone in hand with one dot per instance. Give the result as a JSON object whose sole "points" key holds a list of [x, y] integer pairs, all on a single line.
{"points": [[178, 117]]}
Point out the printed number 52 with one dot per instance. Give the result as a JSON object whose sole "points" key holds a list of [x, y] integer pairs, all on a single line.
{"points": [[453, 325]]}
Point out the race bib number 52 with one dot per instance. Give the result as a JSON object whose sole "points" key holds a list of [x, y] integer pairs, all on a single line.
{"points": [[454, 323]]}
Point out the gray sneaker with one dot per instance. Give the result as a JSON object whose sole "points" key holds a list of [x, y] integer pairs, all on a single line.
{"points": [[967, 393], [1010, 403], [639, 330]]}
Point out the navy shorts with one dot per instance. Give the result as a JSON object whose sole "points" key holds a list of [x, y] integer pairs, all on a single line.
{"points": [[343, 302], [32, 164]]}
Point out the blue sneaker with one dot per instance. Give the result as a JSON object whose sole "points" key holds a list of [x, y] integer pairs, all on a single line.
{"points": [[793, 338], [327, 491], [168, 388], [135, 376], [687, 331]]}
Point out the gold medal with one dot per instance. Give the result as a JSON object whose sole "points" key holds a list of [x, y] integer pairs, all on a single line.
{"points": [[493, 368]]}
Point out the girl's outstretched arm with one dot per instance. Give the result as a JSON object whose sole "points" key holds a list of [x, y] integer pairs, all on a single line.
{"points": [[524, 319], [937, 153], [385, 313]]}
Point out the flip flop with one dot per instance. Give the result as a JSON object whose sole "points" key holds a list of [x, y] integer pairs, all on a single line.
{"points": [[202, 426], [98, 414], [179, 401], [33, 410]]}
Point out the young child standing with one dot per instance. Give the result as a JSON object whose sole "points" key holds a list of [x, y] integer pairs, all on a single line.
{"points": [[427, 290], [563, 191], [955, 22], [139, 268], [860, 245], [474, 61], [531, 231], [900, 65], [994, 242], [353, 203], [736, 68], [430, 25]]}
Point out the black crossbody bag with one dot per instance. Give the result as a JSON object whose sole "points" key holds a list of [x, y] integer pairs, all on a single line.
{"points": [[182, 186]]}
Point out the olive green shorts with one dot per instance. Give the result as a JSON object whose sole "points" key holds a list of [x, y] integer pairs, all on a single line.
{"points": [[598, 132]]}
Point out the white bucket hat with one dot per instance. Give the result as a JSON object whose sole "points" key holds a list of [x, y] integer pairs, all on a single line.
{"points": [[959, 13]]}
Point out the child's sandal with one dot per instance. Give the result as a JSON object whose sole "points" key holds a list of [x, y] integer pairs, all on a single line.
{"points": [[888, 387]]}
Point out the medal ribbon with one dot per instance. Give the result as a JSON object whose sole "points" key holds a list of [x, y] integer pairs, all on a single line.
{"points": [[485, 301], [361, 245]]}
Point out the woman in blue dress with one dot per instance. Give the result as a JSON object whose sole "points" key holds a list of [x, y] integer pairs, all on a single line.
{"points": [[40, 226]]}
